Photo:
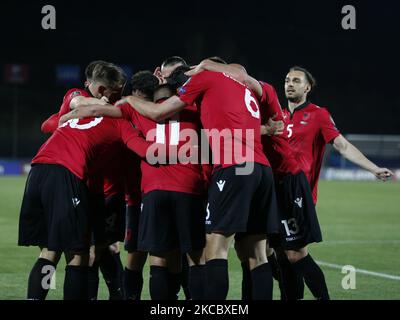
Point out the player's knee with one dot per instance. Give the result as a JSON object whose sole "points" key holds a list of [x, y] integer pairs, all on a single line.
{"points": [[114, 248], [52, 256], [296, 255]]}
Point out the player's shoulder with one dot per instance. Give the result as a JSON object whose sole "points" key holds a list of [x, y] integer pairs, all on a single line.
{"points": [[322, 110], [74, 92]]}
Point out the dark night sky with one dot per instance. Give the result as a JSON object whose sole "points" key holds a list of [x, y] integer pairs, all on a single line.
{"points": [[356, 70]]}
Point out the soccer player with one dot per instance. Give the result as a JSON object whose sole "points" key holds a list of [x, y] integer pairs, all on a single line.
{"points": [[309, 129], [173, 210], [107, 260], [55, 207]]}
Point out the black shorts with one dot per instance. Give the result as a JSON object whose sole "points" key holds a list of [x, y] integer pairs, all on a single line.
{"points": [[55, 210], [132, 227], [108, 218], [242, 204], [171, 220], [299, 222]]}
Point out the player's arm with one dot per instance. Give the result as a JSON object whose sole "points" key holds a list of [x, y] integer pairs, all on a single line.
{"points": [[50, 125], [351, 153], [236, 71], [91, 111], [154, 111], [86, 101]]}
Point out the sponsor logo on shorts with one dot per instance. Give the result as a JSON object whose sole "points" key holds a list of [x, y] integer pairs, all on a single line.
{"points": [[75, 202], [221, 185], [299, 202]]}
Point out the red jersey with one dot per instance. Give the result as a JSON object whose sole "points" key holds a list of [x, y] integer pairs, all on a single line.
{"points": [[82, 146], [309, 129], [276, 148], [50, 125], [228, 107], [177, 177]]}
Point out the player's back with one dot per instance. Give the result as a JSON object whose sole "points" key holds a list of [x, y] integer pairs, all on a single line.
{"points": [[174, 175], [227, 105], [82, 146]]}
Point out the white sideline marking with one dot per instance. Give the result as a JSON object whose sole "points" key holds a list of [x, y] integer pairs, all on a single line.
{"points": [[361, 242], [369, 273]]}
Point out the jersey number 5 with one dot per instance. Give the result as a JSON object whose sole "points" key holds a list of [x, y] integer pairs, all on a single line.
{"points": [[289, 128]]}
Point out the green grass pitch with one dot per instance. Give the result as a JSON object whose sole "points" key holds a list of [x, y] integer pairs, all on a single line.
{"points": [[360, 222]]}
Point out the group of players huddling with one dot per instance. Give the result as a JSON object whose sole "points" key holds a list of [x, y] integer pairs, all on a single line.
{"points": [[95, 183]]}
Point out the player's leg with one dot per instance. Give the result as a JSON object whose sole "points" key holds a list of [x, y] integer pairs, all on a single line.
{"points": [[76, 275], [229, 199], [110, 261], [33, 231], [216, 252], [158, 235], [196, 261], [300, 227], [165, 270], [304, 265], [133, 273], [41, 273], [189, 216], [262, 220]]}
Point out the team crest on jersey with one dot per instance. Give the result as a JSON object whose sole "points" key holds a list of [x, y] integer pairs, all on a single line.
{"points": [[306, 116]]}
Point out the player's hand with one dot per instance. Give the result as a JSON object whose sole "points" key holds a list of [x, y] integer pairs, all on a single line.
{"points": [[157, 73], [275, 128], [195, 70], [64, 119], [383, 174]]}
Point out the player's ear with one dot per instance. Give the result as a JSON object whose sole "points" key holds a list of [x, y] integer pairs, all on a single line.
{"points": [[102, 90], [308, 88]]}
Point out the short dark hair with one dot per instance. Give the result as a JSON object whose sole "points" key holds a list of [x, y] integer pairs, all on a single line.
{"points": [[178, 77], [90, 67], [146, 82], [217, 59], [309, 77], [109, 74], [164, 86], [173, 60]]}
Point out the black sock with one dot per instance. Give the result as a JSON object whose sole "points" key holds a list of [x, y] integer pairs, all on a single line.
{"points": [[313, 277], [93, 281], [197, 282], [185, 278], [262, 282], [40, 269], [246, 282], [76, 283], [133, 284], [217, 279], [174, 285], [112, 270], [273, 262], [159, 283], [291, 284]]}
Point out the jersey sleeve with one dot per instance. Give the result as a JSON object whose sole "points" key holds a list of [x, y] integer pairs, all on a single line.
{"points": [[51, 124], [128, 113], [194, 88], [133, 138], [270, 103], [328, 127], [68, 98]]}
